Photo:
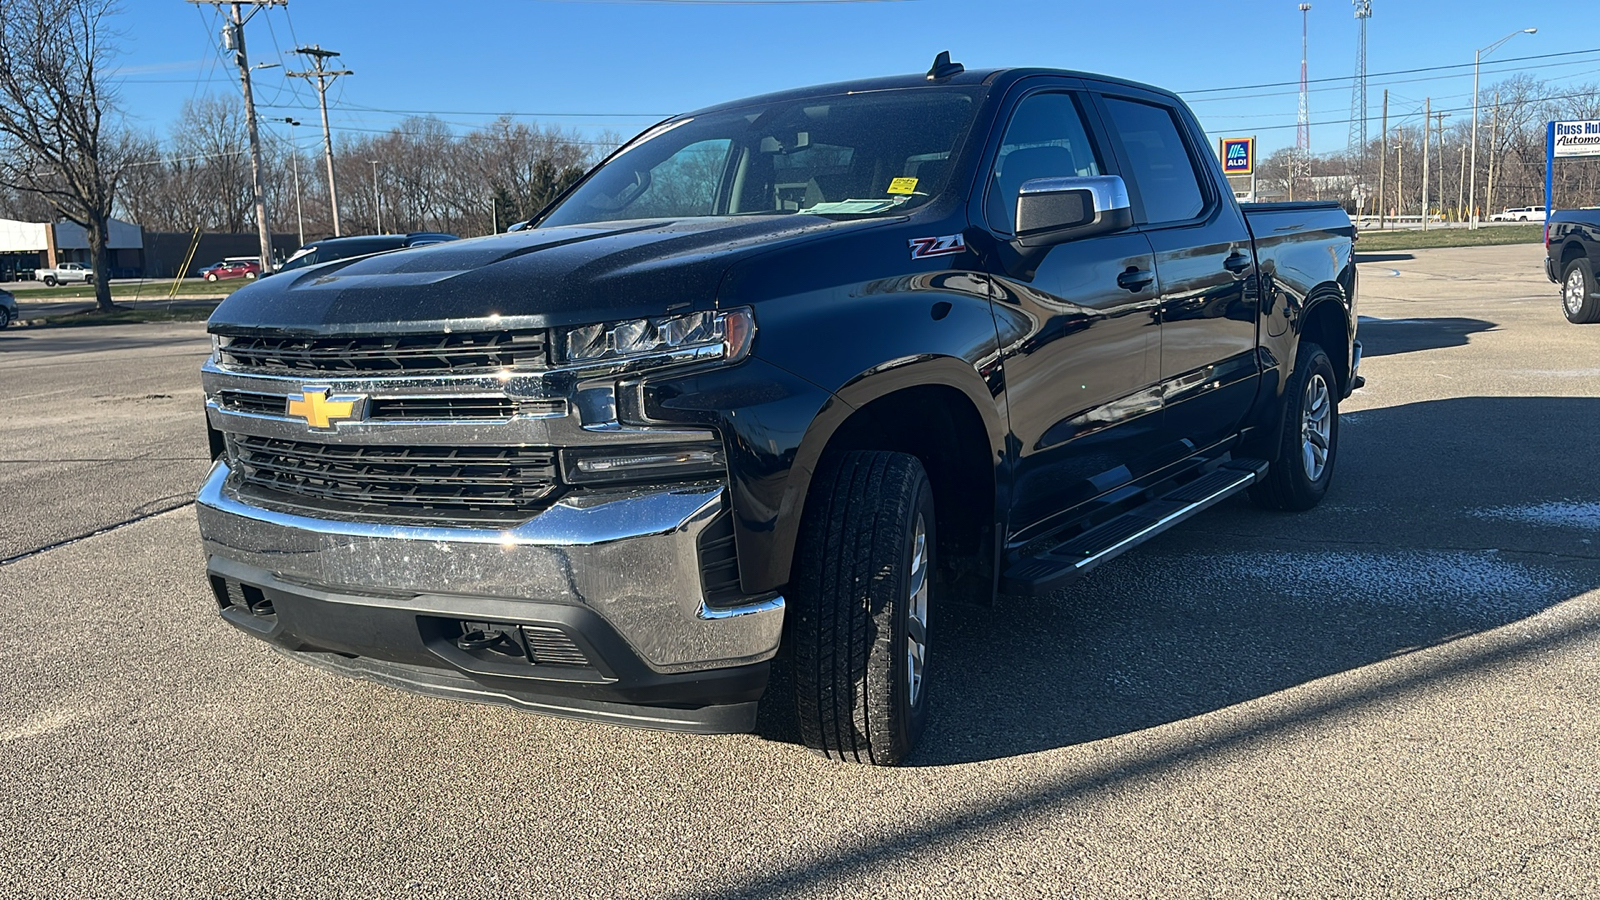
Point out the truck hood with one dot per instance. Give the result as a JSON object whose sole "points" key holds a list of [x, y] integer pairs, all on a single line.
{"points": [[541, 278]]}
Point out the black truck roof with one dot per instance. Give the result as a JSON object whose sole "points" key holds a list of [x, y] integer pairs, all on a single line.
{"points": [[1001, 77]]}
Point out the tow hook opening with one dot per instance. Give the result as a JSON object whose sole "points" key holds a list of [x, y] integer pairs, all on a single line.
{"points": [[476, 636], [510, 648], [246, 597]]}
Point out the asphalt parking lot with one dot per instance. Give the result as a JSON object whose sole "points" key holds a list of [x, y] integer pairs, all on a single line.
{"points": [[1396, 694]]}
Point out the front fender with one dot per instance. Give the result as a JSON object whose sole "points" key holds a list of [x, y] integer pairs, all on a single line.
{"points": [[820, 357]]}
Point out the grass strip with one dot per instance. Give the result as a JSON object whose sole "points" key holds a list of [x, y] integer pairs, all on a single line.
{"points": [[127, 316], [1449, 237]]}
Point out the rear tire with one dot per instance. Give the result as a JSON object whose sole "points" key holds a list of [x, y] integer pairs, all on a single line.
{"points": [[1578, 298], [1302, 468], [211, 276], [49, 281], [861, 591]]}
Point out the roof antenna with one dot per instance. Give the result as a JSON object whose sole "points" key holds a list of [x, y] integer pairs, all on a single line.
{"points": [[943, 67]]}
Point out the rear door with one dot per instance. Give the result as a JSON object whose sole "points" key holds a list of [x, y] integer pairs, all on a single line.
{"points": [[1205, 263], [1080, 333]]}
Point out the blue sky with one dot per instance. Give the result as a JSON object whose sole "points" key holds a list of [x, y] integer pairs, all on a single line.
{"points": [[626, 62]]}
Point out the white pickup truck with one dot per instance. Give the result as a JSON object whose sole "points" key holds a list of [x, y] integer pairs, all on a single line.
{"points": [[66, 273], [1518, 214]]}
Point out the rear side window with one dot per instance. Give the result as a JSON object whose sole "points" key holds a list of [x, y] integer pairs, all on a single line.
{"points": [[1158, 162]]}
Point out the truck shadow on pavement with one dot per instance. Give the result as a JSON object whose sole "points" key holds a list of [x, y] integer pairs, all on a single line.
{"points": [[1044, 799], [1240, 603], [1386, 337]]}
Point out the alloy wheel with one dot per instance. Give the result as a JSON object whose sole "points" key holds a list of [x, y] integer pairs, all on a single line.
{"points": [[1572, 293], [917, 612], [1316, 426]]}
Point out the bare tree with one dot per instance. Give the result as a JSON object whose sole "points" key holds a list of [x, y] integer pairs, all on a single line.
{"points": [[53, 108]]}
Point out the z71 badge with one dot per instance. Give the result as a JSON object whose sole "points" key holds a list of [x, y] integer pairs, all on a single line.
{"points": [[922, 248]]}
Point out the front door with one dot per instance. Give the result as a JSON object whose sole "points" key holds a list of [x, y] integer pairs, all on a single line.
{"points": [[1079, 334]]}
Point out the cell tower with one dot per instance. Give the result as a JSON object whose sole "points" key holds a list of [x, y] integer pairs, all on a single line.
{"points": [[1358, 96], [1302, 143]]}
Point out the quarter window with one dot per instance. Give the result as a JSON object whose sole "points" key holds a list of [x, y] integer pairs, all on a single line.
{"points": [[1158, 162]]}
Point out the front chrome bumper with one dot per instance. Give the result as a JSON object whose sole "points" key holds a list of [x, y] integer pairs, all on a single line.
{"points": [[629, 557]]}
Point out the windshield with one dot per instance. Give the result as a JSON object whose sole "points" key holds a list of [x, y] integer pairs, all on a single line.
{"points": [[876, 153]]}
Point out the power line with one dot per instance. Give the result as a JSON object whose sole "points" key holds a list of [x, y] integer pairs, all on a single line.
{"points": [[1249, 87], [1340, 87], [1453, 109]]}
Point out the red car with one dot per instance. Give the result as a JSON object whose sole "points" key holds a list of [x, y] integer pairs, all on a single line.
{"points": [[234, 270]]}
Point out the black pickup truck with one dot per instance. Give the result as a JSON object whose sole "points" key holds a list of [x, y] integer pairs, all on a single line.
{"points": [[1572, 248], [784, 375]]}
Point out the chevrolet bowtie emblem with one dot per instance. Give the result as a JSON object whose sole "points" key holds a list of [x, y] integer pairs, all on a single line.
{"points": [[321, 410]]}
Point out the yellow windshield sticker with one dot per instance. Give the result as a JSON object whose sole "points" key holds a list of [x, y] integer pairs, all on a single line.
{"points": [[903, 186]]}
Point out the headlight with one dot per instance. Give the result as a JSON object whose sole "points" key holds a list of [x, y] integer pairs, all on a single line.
{"points": [[732, 332], [217, 343]]}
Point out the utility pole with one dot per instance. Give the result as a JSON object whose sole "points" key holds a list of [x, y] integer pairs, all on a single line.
{"points": [[1494, 127], [1428, 116], [1400, 170], [1441, 116], [1383, 158], [377, 199], [324, 76], [233, 39], [1461, 185]]}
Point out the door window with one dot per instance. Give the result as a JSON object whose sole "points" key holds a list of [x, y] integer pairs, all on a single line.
{"points": [[1046, 138], [1158, 162]]}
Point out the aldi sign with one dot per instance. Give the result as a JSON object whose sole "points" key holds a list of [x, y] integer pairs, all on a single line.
{"points": [[1238, 156]]}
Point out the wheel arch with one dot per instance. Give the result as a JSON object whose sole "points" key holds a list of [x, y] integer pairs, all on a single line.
{"points": [[938, 410], [1326, 322], [1571, 250]]}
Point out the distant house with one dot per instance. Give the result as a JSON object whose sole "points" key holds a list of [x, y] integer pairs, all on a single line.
{"points": [[26, 246]]}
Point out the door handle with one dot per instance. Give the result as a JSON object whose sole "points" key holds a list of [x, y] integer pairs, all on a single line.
{"points": [[1237, 263], [1135, 279]]}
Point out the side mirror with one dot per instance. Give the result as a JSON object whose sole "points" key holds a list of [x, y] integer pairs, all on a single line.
{"points": [[1053, 210]]}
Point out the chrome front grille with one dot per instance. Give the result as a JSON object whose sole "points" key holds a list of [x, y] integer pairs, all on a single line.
{"points": [[412, 354], [391, 409], [389, 482]]}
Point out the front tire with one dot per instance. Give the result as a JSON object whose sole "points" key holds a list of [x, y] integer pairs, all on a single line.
{"points": [[211, 276], [861, 594], [1302, 468], [5, 318], [1578, 298]]}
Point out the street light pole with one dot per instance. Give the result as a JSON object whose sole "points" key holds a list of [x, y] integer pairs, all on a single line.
{"points": [[1472, 197], [294, 160], [377, 200]]}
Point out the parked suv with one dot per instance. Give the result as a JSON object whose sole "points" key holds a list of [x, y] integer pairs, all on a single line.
{"points": [[318, 252], [795, 371]]}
